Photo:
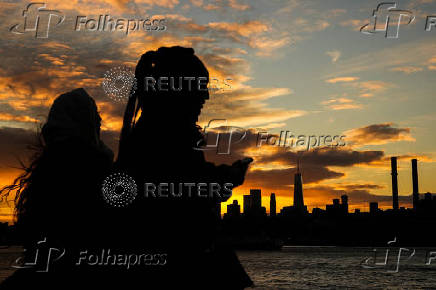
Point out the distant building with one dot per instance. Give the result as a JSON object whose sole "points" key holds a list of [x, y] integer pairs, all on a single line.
{"points": [[298, 207], [272, 205], [234, 209], [373, 207], [298, 191], [316, 212], [256, 198], [427, 205], [253, 204], [338, 208], [344, 200], [247, 203]]}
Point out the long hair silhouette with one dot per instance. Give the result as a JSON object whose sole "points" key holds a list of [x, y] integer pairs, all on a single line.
{"points": [[73, 120], [57, 197], [157, 145]]}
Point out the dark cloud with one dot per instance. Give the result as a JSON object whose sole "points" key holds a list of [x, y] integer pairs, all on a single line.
{"points": [[377, 134], [19, 143], [15, 144], [314, 163], [284, 178], [325, 156]]}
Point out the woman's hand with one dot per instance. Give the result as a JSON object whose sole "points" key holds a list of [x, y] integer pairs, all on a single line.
{"points": [[239, 169]]}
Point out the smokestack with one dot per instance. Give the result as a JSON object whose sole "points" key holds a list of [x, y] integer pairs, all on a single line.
{"points": [[415, 183], [394, 174]]}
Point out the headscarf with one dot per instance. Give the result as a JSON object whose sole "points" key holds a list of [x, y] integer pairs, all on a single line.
{"points": [[73, 115]]}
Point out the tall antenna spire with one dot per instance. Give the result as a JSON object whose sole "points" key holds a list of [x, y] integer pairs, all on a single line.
{"points": [[298, 190], [298, 163]]}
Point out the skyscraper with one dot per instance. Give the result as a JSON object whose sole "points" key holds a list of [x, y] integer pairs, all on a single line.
{"points": [[344, 205], [247, 203], [272, 205], [373, 207], [298, 191], [256, 199]]}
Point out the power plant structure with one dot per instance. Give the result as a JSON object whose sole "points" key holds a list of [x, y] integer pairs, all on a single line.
{"points": [[417, 203], [394, 174]]}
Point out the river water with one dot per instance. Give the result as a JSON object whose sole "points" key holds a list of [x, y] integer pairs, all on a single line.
{"points": [[321, 268], [340, 268]]}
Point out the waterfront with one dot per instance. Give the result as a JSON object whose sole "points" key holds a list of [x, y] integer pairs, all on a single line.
{"points": [[335, 268], [317, 268]]}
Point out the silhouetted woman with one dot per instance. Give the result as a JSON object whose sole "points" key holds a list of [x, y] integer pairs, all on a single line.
{"points": [[160, 148], [58, 198]]}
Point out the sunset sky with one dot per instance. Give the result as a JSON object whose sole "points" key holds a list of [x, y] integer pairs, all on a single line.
{"points": [[300, 66]]}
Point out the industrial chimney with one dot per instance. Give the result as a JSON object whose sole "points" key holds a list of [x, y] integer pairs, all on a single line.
{"points": [[415, 183], [394, 174]]}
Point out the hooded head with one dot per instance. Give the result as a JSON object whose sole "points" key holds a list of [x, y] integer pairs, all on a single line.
{"points": [[73, 115]]}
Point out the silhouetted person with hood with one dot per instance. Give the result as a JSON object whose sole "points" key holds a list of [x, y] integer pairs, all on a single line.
{"points": [[58, 197], [159, 144]]}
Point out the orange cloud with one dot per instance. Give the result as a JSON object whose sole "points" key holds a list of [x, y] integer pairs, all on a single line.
{"points": [[341, 104], [341, 80], [237, 6], [242, 29], [407, 69], [10, 117]]}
